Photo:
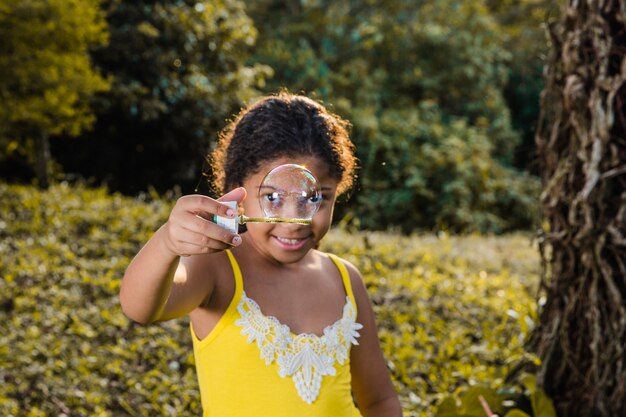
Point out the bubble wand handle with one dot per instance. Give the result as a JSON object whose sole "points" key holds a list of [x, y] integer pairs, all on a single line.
{"points": [[233, 223], [245, 219]]}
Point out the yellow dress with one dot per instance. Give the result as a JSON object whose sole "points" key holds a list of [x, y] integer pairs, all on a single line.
{"points": [[251, 365]]}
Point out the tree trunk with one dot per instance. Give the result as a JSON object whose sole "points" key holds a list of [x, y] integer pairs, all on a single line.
{"points": [[581, 140], [42, 160]]}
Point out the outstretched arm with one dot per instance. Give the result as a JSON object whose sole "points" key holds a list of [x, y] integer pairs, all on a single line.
{"points": [[371, 382], [146, 293]]}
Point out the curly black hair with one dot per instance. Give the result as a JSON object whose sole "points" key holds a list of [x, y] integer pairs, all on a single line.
{"points": [[282, 125]]}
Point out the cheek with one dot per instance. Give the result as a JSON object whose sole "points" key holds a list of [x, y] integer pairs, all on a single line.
{"points": [[251, 206], [325, 213], [258, 229]]}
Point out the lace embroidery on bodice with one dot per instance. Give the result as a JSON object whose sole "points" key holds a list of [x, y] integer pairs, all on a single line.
{"points": [[305, 357]]}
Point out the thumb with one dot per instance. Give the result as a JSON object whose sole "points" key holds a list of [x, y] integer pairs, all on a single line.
{"points": [[238, 195]]}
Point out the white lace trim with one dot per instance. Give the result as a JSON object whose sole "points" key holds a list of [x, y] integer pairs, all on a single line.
{"points": [[305, 357]]}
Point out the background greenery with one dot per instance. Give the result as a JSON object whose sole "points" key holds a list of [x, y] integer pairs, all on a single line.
{"points": [[442, 95], [453, 312]]}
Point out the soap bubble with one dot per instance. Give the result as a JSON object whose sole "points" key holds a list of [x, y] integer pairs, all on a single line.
{"points": [[290, 191]]}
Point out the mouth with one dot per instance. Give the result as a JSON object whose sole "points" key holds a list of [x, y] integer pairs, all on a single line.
{"points": [[291, 243]]}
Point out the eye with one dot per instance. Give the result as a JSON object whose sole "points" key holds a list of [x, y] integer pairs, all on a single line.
{"points": [[273, 197], [315, 198]]}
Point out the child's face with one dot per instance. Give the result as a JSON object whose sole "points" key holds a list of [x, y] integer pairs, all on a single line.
{"points": [[288, 243]]}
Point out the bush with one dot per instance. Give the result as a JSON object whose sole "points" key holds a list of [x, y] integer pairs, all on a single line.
{"points": [[452, 311], [441, 176]]}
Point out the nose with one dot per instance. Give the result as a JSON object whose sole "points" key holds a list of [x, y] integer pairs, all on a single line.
{"points": [[294, 206]]}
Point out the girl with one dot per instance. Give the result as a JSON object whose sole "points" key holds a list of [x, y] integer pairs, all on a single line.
{"points": [[278, 327]]}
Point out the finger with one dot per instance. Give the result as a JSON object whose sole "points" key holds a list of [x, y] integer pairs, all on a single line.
{"points": [[202, 204], [191, 242], [238, 195], [208, 229], [202, 244], [187, 249]]}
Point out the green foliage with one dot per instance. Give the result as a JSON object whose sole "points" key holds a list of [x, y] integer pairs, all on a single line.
{"points": [[46, 77], [423, 84], [65, 344], [452, 311], [542, 405], [470, 404], [441, 174], [438, 93], [179, 69], [504, 401], [522, 24]]}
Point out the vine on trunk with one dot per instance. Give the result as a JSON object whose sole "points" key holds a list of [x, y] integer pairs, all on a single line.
{"points": [[581, 140]]}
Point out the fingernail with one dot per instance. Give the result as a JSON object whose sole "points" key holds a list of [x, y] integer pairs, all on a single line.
{"points": [[230, 212], [236, 240]]}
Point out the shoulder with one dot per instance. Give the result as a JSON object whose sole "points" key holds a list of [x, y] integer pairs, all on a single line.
{"points": [[203, 273], [355, 274], [195, 282], [198, 265], [356, 279]]}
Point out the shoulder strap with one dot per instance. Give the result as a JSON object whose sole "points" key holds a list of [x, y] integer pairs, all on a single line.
{"points": [[345, 276], [230, 315], [237, 274]]}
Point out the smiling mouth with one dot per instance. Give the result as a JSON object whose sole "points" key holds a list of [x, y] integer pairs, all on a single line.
{"points": [[290, 241], [291, 244]]}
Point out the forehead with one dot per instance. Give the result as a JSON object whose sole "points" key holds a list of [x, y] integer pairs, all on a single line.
{"points": [[317, 166]]}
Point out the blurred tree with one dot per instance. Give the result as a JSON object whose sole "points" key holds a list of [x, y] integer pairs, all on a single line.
{"points": [[413, 77], [522, 24], [582, 143], [178, 70], [46, 78]]}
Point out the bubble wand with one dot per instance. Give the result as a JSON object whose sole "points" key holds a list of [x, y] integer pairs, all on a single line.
{"points": [[245, 219], [287, 188]]}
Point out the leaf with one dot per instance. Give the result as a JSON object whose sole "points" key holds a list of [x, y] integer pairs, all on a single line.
{"points": [[447, 407], [516, 413], [542, 404], [529, 382], [472, 406]]}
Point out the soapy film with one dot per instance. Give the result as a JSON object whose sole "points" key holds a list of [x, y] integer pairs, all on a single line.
{"points": [[288, 194]]}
